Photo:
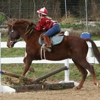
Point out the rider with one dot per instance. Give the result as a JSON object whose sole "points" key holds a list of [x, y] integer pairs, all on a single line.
{"points": [[50, 27]]}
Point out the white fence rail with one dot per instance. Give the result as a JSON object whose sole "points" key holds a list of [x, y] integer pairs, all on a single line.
{"points": [[20, 59]]}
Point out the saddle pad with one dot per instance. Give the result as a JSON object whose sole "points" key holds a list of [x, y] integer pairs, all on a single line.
{"points": [[55, 40]]}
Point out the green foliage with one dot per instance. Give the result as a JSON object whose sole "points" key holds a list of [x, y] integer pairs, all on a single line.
{"points": [[2, 18], [95, 30], [95, 37], [72, 25]]}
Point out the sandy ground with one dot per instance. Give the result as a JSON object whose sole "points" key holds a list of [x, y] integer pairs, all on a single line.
{"points": [[88, 92]]}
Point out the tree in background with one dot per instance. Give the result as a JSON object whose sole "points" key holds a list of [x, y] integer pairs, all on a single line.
{"points": [[27, 8]]}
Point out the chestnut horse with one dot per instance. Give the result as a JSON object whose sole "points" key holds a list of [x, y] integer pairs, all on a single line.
{"points": [[71, 47]]}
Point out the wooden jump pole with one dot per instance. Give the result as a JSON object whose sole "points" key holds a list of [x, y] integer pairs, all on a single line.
{"points": [[49, 74], [37, 80], [36, 86], [10, 74], [32, 81]]}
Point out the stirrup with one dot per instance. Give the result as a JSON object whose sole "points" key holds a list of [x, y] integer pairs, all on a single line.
{"points": [[49, 49]]}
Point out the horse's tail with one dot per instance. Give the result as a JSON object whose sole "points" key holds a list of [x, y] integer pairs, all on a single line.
{"points": [[95, 49]]}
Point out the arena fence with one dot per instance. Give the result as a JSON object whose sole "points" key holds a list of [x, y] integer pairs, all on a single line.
{"points": [[66, 62]]}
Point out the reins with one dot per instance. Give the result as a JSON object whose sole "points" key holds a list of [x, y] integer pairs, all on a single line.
{"points": [[29, 29]]}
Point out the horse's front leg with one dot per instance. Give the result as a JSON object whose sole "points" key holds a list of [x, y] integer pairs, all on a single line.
{"points": [[27, 64]]}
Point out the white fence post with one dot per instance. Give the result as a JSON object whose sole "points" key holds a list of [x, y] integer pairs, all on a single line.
{"points": [[67, 71], [4, 89], [89, 54], [66, 63], [0, 60]]}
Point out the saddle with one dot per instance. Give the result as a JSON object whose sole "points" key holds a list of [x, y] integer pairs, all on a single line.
{"points": [[55, 40]]}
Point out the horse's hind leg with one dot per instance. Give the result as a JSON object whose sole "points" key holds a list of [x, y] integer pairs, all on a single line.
{"points": [[84, 74], [90, 68]]}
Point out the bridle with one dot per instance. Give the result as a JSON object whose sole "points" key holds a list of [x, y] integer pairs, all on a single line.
{"points": [[12, 41], [28, 31]]}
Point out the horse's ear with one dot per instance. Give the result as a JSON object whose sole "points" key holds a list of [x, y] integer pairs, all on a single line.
{"points": [[11, 21]]}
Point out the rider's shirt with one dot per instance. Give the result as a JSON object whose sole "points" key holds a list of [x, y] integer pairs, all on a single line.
{"points": [[44, 24]]}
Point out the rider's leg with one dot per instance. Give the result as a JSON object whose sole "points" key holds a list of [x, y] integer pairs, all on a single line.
{"points": [[51, 32], [47, 42]]}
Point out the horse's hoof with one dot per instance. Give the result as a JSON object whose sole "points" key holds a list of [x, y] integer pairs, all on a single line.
{"points": [[77, 88], [98, 85]]}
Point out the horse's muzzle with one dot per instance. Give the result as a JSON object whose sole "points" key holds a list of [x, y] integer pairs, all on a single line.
{"points": [[10, 44]]}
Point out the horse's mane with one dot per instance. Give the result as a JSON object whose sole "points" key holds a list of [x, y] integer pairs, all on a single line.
{"points": [[21, 21], [17, 22], [13, 21]]}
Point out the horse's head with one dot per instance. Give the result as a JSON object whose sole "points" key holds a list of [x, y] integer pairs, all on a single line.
{"points": [[16, 29], [12, 34]]}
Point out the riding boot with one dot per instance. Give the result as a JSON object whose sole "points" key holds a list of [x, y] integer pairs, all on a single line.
{"points": [[47, 43]]}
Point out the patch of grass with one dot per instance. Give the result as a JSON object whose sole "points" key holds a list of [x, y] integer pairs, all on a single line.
{"points": [[74, 26], [40, 69], [13, 52], [95, 37]]}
